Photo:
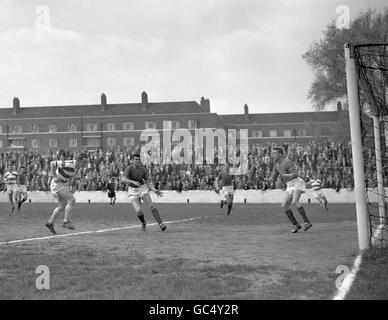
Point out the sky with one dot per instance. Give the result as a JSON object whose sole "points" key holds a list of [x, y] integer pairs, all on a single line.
{"points": [[233, 52]]}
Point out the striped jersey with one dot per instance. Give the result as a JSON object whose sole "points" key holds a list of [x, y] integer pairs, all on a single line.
{"points": [[316, 184], [11, 177], [64, 169]]}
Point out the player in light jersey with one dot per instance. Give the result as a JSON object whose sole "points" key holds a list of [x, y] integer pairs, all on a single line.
{"points": [[295, 187], [227, 187], [139, 187], [21, 194], [11, 181], [316, 190], [61, 171]]}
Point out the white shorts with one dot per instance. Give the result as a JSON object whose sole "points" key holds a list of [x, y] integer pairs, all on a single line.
{"points": [[138, 193], [22, 188], [296, 184], [317, 194], [57, 186], [228, 190], [12, 188]]}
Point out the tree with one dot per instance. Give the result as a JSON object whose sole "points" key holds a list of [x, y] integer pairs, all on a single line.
{"points": [[327, 59]]}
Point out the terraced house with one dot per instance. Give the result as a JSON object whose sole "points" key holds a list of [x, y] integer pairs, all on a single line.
{"points": [[118, 126]]}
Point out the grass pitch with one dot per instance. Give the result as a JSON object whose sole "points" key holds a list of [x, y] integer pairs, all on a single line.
{"points": [[250, 254]]}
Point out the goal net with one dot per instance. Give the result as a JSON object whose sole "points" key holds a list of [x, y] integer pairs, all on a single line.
{"points": [[371, 78]]}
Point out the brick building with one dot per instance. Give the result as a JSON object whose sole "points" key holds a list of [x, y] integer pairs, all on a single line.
{"points": [[113, 126]]}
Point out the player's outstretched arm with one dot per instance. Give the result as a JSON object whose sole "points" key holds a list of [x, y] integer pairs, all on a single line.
{"points": [[152, 188]]}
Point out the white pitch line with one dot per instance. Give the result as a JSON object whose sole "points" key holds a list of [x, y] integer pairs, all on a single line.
{"points": [[344, 289], [96, 231]]}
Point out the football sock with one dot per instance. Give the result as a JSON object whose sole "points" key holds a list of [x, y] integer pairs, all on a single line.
{"points": [[229, 207], [290, 216], [156, 215], [302, 212], [140, 215]]}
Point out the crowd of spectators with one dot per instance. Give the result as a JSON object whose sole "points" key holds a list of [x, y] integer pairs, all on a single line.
{"points": [[329, 161]]}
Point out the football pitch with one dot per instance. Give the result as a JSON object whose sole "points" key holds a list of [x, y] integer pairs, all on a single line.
{"points": [[203, 254]]}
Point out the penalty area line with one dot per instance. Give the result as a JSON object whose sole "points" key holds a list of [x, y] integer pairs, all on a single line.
{"points": [[95, 231], [344, 289]]}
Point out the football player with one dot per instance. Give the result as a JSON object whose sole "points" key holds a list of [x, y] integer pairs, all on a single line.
{"points": [[316, 190], [11, 181], [136, 176], [227, 187], [61, 172], [111, 191], [21, 193], [295, 187]]}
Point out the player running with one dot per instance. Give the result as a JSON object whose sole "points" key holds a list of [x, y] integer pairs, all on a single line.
{"points": [[11, 181], [316, 186], [295, 187], [139, 187], [227, 187], [111, 191], [21, 193], [61, 171]]}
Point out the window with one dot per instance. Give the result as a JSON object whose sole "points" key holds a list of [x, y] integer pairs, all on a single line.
{"points": [[128, 126], [1, 144], [53, 127], [302, 132], [111, 126], [273, 133], [93, 142], [1, 129], [150, 125], [35, 143], [111, 141], [16, 143], [73, 142], [35, 128], [17, 129], [53, 143], [91, 127], [175, 125], [257, 134], [287, 133], [72, 127], [325, 132], [191, 124], [129, 141]]}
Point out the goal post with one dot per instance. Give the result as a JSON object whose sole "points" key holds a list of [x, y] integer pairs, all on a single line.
{"points": [[367, 88], [357, 149]]}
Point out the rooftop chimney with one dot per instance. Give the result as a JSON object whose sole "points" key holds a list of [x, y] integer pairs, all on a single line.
{"points": [[205, 103], [144, 101], [246, 112], [16, 105], [103, 102], [103, 99]]}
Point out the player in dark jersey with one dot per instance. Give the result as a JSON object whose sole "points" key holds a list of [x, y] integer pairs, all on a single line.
{"points": [[227, 187], [111, 191], [295, 187], [21, 194], [139, 187]]}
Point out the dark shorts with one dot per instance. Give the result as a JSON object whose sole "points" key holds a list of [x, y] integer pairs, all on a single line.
{"points": [[111, 194]]}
